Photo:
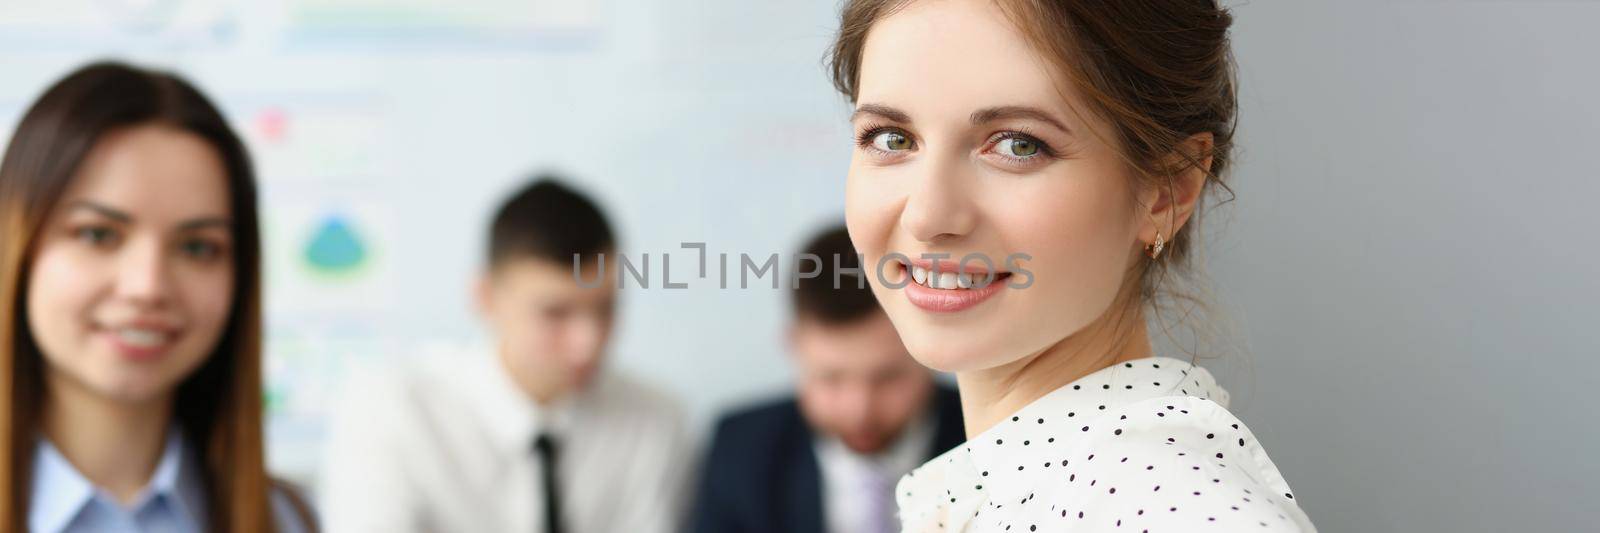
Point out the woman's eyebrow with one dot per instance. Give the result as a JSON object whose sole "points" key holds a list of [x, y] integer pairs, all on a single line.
{"points": [[104, 211], [201, 223], [990, 114], [125, 218], [881, 110]]}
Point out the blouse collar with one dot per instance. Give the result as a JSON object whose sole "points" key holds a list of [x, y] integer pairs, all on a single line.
{"points": [[60, 492], [1023, 435]]}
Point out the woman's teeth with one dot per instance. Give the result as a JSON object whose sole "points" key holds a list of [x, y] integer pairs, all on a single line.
{"points": [[945, 280], [142, 338]]}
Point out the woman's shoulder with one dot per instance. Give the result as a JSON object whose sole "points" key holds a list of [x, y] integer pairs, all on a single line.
{"points": [[925, 481], [291, 511], [1181, 461]]}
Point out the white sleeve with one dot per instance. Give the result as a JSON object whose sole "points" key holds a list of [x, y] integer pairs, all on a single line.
{"points": [[365, 488], [655, 496]]}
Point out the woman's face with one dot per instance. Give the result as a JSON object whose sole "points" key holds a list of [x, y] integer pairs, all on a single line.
{"points": [[967, 144], [132, 280]]}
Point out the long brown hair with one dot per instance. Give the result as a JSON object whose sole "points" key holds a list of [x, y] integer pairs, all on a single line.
{"points": [[218, 406], [1159, 71]]}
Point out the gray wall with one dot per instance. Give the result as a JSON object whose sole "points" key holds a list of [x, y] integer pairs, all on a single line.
{"points": [[1413, 259]]}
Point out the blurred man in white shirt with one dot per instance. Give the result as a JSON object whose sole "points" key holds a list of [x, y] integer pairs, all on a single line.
{"points": [[536, 435]]}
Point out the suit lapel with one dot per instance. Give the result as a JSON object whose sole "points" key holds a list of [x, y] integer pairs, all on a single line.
{"points": [[950, 431], [802, 506]]}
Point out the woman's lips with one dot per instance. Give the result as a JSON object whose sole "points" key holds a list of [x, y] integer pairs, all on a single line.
{"points": [[949, 292]]}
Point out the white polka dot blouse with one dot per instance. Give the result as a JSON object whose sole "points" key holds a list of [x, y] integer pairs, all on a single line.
{"points": [[1143, 446]]}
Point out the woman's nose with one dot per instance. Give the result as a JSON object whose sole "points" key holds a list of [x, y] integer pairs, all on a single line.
{"points": [[142, 275], [940, 206]]}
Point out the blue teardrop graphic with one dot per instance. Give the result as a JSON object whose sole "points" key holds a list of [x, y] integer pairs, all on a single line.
{"points": [[335, 248]]}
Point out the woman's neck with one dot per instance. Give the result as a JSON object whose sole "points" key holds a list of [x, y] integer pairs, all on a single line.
{"points": [[115, 444], [992, 394]]}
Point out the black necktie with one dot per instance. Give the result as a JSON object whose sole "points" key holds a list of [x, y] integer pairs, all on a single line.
{"points": [[545, 448]]}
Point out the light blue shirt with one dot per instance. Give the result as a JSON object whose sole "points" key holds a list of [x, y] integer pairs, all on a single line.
{"points": [[63, 501]]}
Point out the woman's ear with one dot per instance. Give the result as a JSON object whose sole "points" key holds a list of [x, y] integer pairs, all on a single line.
{"points": [[1171, 203]]}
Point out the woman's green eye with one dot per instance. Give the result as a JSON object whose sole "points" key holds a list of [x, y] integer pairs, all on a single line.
{"points": [[891, 141], [1017, 147], [95, 235], [201, 249]]}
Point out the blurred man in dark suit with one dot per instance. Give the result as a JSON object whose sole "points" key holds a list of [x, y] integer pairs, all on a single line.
{"points": [[827, 458]]}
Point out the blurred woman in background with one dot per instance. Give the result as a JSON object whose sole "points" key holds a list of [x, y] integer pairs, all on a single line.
{"points": [[130, 316]]}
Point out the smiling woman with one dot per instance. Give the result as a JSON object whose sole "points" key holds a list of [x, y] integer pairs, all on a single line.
{"points": [[130, 315], [1083, 136]]}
